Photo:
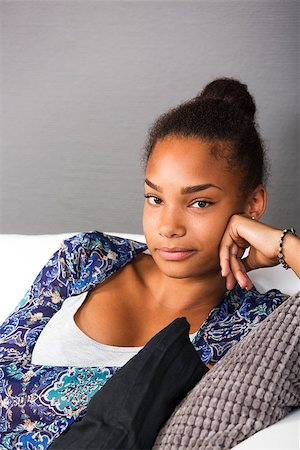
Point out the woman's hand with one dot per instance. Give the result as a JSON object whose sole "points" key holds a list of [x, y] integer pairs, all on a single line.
{"points": [[263, 240]]}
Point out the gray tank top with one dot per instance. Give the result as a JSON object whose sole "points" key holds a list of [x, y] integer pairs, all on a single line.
{"points": [[62, 343]]}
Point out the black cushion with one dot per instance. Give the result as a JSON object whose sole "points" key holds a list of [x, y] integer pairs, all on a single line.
{"points": [[129, 410]]}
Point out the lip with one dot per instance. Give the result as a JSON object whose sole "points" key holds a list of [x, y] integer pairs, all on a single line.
{"points": [[174, 253], [175, 249]]}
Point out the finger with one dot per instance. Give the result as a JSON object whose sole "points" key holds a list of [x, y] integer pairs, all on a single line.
{"points": [[230, 281], [239, 272], [231, 242], [236, 267], [249, 283], [237, 250], [225, 266], [229, 245], [224, 255], [246, 264]]}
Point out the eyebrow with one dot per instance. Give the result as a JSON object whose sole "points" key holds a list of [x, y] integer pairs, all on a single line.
{"points": [[187, 189]]}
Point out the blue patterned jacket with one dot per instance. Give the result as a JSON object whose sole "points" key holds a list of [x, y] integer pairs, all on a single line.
{"points": [[37, 403]]}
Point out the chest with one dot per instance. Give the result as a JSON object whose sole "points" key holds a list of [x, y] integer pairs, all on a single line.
{"points": [[120, 312]]}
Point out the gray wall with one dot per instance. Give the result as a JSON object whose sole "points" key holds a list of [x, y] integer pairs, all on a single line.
{"points": [[81, 81]]}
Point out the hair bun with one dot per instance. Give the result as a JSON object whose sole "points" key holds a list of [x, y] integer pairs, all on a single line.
{"points": [[232, 91]]}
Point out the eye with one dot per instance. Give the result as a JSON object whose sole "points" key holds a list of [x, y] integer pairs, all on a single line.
{"points": [[153, 200], [201, 204]]}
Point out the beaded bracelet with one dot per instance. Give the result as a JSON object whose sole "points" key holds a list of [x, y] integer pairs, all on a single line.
{"points": [[280, 253]]}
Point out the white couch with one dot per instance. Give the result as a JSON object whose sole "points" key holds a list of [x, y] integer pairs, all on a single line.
{"points": [[23, 256]]}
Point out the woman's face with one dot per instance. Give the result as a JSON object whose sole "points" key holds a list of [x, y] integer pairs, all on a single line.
{"points": [[191, 197]]}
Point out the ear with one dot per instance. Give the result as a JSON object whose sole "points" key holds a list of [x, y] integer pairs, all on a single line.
{"points": [[256, 203]]}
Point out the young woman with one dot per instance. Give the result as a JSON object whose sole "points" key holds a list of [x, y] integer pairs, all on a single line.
{"points": [[101, 298]]}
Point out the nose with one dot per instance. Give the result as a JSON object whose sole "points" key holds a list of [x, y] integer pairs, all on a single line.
{"points": [[171, 224]]}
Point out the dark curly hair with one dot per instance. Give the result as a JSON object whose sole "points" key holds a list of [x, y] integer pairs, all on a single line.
{"points": [[224, 114]]}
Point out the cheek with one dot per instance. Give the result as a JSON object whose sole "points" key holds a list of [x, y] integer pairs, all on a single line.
{"points": [[149, 232], [151, 213], [208, 229], [148, 221]]}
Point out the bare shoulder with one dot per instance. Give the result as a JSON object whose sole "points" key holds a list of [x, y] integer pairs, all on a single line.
{"points": [[141, 267], [113, 311]]}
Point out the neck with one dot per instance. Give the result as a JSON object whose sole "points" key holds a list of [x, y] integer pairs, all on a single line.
{"points": [[195, 295]]}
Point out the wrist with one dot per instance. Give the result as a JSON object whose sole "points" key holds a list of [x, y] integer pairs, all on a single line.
{"points": [[291, 251], [282, 244]]}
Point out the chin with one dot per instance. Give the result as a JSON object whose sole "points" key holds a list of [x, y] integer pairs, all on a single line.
{"points": [[187, 268], [178, 270]]}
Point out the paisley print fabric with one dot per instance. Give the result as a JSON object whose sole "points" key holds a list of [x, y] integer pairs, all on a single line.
{"points": [[37, 403]]}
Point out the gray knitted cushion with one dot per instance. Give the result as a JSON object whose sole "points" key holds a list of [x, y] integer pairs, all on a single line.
{"points": [[253, 386]]}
